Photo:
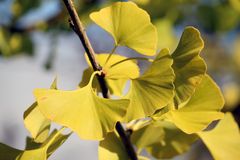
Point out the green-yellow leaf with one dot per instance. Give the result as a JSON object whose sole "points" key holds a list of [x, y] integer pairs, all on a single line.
{"points": [[125, 70], [129, 25], [90, 116], [175, 142], [112, 148], [148, 135], [224, 140], [153, 90], [188, 66], [116, 76], [8, 153], [40, 153], [202, 108], [36, 123]]}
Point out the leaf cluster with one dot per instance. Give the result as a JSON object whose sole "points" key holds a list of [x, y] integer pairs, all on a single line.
{"points": [[166, 109]]}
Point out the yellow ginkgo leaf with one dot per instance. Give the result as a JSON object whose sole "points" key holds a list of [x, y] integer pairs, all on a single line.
{"points": [[116, 75], [201, 109], [148, 135], [40, 153], [112, 148], [224, 140], [175, 142], [90, 116], [129, 25], [36, 123], [125, 70], [153, 90], [188, 66]]}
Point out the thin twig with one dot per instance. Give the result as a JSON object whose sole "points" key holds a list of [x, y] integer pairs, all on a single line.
{"points": [[78, 28]]}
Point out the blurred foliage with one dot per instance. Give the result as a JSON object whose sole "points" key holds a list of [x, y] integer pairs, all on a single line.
{"points": [[16, 39], [213, 18]]}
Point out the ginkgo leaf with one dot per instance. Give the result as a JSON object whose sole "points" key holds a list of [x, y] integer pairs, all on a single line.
{"points": [[125, 70], [91, 117], [40, 153], [122, 21], [9, 153], [202, 108], [175, 142], [148, 135], [112, 148], [153, 90], [188, 66], [116, 75], [224, 140], [36, 123]]}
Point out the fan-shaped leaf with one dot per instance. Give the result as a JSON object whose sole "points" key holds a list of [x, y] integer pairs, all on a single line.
{"points": [[116, 76], [129, 25], [36, 123], [148, 135], [188, 66], [202, 108], [112, 148], [175, 142], [153, 90], [90, 118], [41, 153], [224, 140]]}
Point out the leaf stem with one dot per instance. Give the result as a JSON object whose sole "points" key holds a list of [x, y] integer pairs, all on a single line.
{"points": [[131, 58], [78, 28], [110, 55]]}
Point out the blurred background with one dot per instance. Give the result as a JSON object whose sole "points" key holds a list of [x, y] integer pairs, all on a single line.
{"points": [[36, 45]]}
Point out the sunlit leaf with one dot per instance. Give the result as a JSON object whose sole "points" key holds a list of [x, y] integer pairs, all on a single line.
{"points": [[175, 142], [153, 90], [41, 153], [127, 69], [188, 66], [112, 148], [138, 124], [90, 118], [202, 108], [36, 123], [55, 141], [129, 25], [224, 140], [116, 76]]}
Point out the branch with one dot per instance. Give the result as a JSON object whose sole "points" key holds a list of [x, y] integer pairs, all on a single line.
{"points": [[78, 28]]}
